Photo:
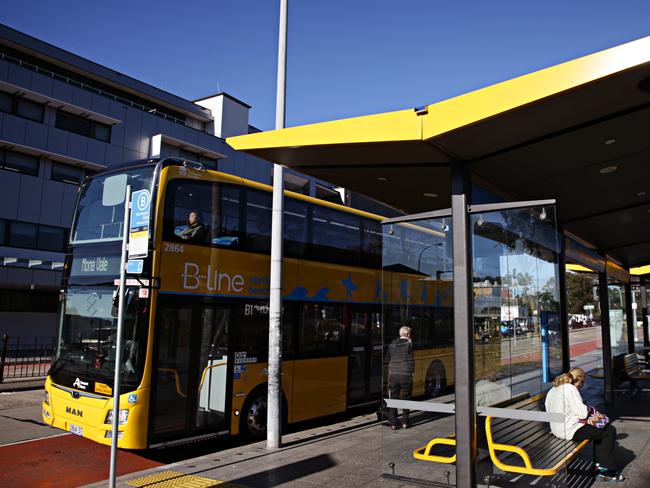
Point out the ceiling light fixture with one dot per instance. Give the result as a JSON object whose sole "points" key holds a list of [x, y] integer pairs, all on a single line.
{"points": [[609, 142], [640, 194], [430, 195], [542, 215], [381, 178], [608, 169]]}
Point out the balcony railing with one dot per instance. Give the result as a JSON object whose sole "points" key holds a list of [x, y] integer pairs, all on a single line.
{"points": [[90, 88]]}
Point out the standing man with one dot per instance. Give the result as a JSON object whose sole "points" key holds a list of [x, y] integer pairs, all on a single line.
{"points": [[401, 366]]}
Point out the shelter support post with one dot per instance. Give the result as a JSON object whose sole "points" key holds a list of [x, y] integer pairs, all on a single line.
{"points": [[603, 296], [564, 316], [463, 330], [630, 318]]}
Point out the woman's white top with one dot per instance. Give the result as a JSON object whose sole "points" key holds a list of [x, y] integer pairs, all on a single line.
{"points": [[566, 399]]}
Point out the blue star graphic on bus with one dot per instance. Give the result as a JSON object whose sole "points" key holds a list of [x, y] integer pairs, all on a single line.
{"points": [[350, 287], [301, 293], [321, 295]]}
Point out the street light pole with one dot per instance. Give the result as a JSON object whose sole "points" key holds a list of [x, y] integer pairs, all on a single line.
{"points": [[274, 411]]}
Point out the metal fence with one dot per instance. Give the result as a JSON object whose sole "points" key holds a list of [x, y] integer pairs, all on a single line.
{"points": [[25, 357]]}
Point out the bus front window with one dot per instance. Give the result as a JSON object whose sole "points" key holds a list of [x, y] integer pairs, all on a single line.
{"points": [[87, 342], [100, 212]]}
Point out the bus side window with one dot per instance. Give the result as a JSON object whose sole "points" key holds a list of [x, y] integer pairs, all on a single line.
{"points": [[258, 221], [295, 229], [336, 236], [184, 198], [371, 240], [226, 217], [322, 330]]}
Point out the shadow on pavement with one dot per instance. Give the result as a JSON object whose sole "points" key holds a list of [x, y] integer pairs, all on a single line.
{"points": [[288, 472]]}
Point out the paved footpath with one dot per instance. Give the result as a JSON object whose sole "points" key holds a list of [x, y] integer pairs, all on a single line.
{"points": [[346, 454]]}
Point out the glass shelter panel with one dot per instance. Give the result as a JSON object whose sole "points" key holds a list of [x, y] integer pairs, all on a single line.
{"points": [[418, 340], [583, 309], [518, 350], [617, 317]]}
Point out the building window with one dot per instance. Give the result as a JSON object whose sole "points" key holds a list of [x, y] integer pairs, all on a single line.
{"points": [[22, 107], [83, 126], [33, 236], [23, 234], [19, 162], [51, 238], [67, 174]]}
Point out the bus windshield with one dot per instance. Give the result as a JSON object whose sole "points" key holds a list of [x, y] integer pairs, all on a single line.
{"points": [[87, 337], [100, 213]]}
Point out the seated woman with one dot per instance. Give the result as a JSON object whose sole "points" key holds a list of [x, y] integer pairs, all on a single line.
{"points": [[564, 398], [194, 230]]}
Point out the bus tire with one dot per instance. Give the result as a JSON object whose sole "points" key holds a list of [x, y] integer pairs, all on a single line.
{"points": [[252, 424], [435, 382]]}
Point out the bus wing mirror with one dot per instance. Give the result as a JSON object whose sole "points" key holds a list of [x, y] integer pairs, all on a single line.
{"points": [[114, 190]]}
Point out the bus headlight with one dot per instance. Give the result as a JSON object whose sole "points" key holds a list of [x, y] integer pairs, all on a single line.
{"points": [[109, 435], [46, 400], [124, 415]]}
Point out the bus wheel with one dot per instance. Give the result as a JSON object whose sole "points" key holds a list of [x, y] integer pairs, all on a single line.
{"points": [[436, 381], [253, 421]]}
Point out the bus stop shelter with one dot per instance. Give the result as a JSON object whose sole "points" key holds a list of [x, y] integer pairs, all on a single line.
{"points": [[570, 139]]}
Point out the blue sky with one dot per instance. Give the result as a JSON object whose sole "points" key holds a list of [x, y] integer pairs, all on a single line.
{"points": [[345, 57]]}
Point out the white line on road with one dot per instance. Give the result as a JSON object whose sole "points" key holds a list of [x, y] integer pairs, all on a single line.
{"points": [[34, 440]]}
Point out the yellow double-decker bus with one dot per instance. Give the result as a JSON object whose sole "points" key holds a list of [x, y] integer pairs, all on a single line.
{"points": [[196, 324]]}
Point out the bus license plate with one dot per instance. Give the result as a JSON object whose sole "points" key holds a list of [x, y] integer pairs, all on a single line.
{"points": [[76, 430]]}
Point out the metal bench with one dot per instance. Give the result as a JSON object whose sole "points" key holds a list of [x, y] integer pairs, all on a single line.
{"points": [[633, 369], [439, 449], [528, 446]]}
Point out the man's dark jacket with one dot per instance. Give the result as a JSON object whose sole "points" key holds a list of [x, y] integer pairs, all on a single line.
{"points": [[400, 357]]}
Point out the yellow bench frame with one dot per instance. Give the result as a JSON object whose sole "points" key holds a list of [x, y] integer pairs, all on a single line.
{"points": [[424, 453], [528, 468]]}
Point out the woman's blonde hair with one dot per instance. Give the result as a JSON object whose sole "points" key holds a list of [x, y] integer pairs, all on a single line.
{"points": [[577, 373], [563, 379]]}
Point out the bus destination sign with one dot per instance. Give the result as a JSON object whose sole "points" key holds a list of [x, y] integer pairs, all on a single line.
{"points": [[95, 266]]}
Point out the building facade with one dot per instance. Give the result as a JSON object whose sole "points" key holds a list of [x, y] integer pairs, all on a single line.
{"points": [[63, 117]]}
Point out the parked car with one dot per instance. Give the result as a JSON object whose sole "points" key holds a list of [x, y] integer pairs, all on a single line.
{"points": [[508, 328]]}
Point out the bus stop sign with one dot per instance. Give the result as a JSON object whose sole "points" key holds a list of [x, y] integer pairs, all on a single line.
{"points": [[139, 226]]}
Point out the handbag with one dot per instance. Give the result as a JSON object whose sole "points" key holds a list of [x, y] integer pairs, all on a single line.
{"points": [[595, 418]]}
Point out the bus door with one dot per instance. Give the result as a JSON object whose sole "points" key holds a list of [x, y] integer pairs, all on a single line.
{"points": [[190, 389], [364, 362]]}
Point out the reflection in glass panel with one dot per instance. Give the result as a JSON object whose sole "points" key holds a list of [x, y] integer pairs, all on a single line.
{"points": [[583, 309], [417, 292], [617, 317], [516, 308]]}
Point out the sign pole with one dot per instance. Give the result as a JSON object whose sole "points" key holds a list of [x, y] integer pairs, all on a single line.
{"points": [[118, 339]]}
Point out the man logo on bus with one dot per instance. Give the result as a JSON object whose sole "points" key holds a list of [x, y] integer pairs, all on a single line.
{"points": [[80, 384], [214, 280]]}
